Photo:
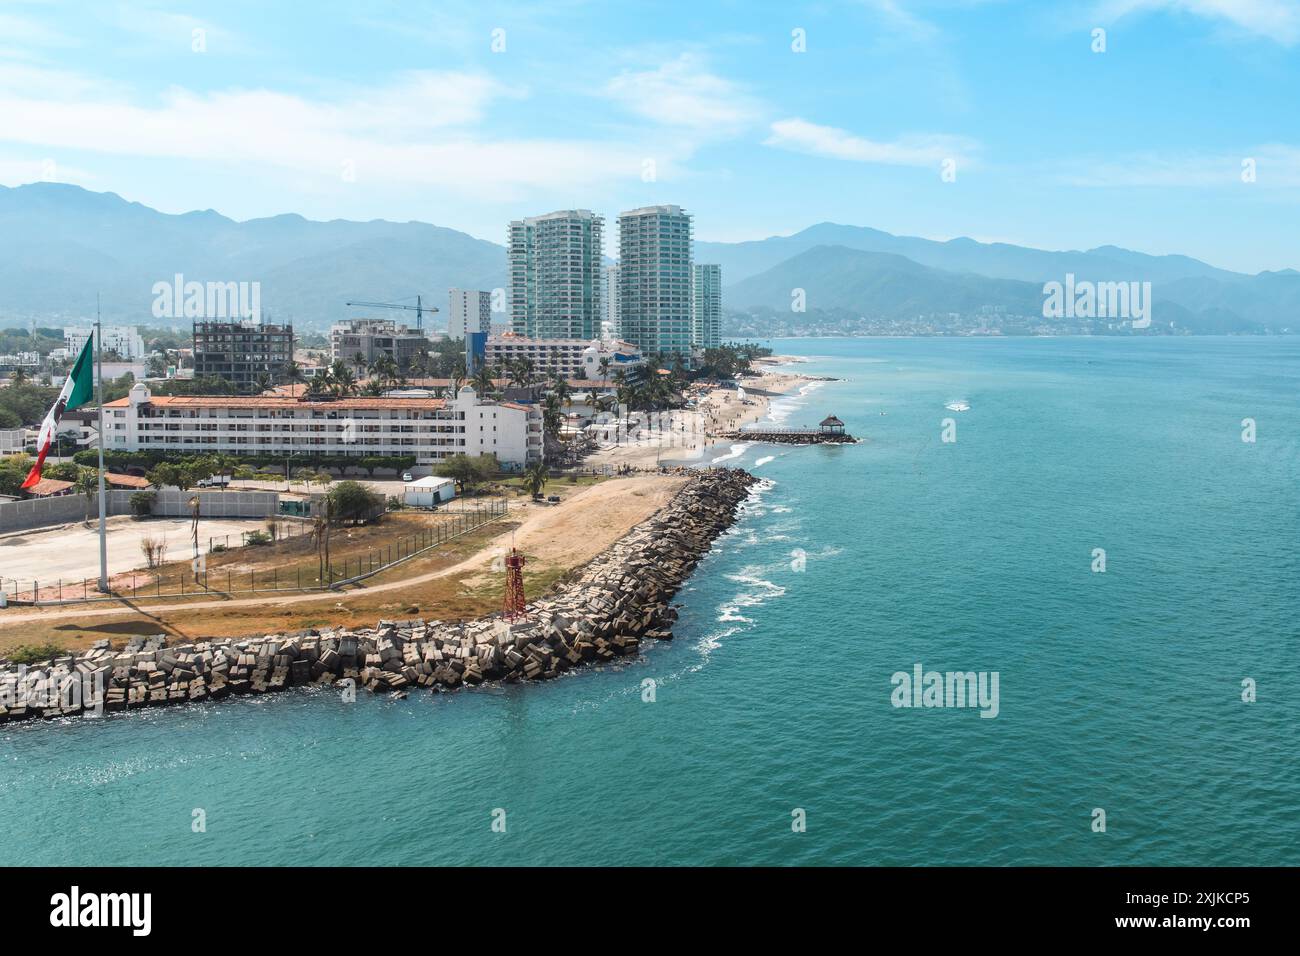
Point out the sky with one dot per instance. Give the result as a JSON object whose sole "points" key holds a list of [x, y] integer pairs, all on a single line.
{"points": [[1166, 126]]}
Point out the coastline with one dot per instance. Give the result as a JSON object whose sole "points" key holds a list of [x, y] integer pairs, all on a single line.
{"points": [[684, 436], [603, 610]]}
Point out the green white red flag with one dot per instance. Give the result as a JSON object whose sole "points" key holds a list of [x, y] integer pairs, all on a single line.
{"points": [[78, 389]]}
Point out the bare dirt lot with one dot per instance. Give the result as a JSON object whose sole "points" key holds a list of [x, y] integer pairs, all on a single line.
{"points": [[454, 581], [71, 551]]}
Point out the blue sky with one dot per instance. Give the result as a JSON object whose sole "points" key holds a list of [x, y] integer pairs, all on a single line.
{"points": [[404, 110]]}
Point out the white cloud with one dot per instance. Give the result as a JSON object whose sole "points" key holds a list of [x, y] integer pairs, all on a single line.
{"points": [[1278, 19], [419, 130], [683, 93], [802, 136]]}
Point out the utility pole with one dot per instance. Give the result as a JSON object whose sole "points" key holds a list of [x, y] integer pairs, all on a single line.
{"points": [[103, 505]]}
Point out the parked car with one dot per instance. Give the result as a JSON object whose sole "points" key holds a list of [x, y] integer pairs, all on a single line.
{"points": [[406, 476]]}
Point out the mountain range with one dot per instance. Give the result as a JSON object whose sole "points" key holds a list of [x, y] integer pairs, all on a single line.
{"points": [[60, 244]]}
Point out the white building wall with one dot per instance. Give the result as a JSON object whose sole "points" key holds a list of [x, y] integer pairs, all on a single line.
{"points": [[122, 339], [470, 310], [321, 428]]}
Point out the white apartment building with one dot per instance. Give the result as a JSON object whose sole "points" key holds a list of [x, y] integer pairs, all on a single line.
{"points": [[654, 279], [430, 429], [122, 339], [572, 358], [555, 273], [706, 306], [470, 311]]}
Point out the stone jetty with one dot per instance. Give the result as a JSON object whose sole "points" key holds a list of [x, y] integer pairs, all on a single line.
{"points": [[790, 436], [602, 611]]}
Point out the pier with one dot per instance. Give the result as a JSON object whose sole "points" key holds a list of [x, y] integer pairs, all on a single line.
{"points": [[829, 432]]}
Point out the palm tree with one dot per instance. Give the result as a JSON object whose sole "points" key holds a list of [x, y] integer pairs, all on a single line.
{"points": [[535, 477], [552, 419], [561, 388], [222, 463], [483, 381], [19, 377], [515, 372], [528, 370], [342, 378], [604, 368], [87, 484], [384, 370], [293, 372], [360, 363], [623, 394]]}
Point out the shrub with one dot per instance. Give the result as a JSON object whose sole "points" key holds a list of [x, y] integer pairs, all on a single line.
{"points": [[35, 653], [353, 501], [257, 537], [155, 551], [142, 503]]}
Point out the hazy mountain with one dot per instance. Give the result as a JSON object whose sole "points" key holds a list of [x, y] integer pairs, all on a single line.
{"points": [[740, 260], [61, 244], [888, 286]]}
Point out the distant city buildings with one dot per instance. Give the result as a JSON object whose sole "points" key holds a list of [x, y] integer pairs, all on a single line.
{"points": [[428, 429], [706, 306], [554, 266], [123, 340], [356, 341], [241, 352], [470, 311], [654, 279]]}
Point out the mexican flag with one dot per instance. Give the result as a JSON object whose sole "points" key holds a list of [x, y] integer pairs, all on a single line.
{"points": [[76, 391]]}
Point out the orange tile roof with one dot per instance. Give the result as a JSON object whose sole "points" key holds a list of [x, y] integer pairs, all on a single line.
{"points": [[126, 481], [281, 401], [48, 486]]}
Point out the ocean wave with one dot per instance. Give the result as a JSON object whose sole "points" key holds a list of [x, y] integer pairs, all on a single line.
{"points": [[764, 460], [736, 452]]}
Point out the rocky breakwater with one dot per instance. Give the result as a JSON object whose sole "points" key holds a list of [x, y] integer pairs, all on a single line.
{"points": [[604, 610]]}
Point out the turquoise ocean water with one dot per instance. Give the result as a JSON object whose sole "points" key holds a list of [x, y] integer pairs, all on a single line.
{"points": [[1119, 690]]}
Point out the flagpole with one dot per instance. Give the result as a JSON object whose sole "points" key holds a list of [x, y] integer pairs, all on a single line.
{"points": [[103, 506]]}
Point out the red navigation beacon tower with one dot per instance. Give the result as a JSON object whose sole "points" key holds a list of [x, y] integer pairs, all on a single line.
{"points": [[514, 603]]}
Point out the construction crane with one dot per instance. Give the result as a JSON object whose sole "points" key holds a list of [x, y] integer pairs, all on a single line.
{"points": [[419, 309]]}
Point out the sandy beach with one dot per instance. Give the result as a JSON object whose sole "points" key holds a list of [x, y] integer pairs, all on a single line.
{"points": [[683, 435]]}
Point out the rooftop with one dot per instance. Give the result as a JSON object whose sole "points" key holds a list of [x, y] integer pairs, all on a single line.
{"points": [[281, 402], [48, 486]]}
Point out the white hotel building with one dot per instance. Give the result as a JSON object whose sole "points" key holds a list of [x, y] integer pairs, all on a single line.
{"points": [[430, 429], [571, 358]]}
